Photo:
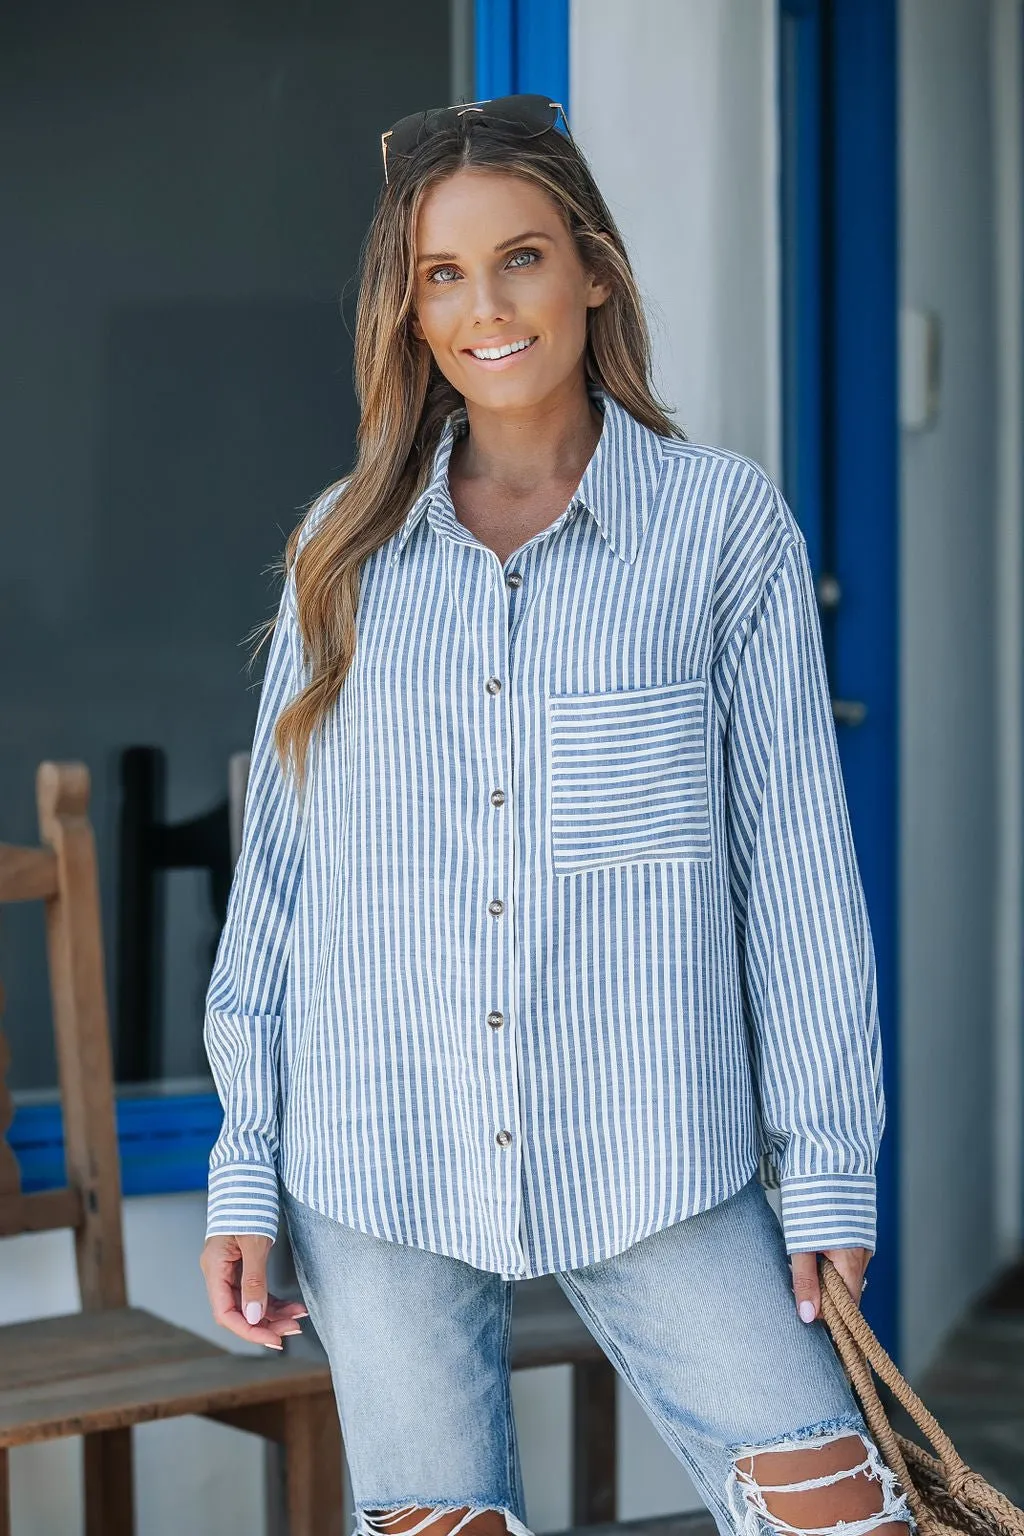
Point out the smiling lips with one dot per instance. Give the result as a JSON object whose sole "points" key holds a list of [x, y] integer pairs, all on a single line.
{"points": [[501, 354]]}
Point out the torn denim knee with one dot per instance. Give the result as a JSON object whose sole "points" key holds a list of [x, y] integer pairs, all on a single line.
{"points": [[750, 1511], [367, 1524]]}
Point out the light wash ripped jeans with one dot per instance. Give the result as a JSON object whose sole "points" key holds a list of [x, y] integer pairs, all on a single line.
{"points": [[698, 1319]]}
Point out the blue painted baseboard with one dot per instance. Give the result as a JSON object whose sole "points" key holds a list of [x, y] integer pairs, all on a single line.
{"points": [[165, 1143]]}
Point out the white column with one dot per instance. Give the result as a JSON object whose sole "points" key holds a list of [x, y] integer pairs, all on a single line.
{"points": [[674, 103]]}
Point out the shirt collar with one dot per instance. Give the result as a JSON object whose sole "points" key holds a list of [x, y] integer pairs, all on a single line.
{"points": [[617, 487]]}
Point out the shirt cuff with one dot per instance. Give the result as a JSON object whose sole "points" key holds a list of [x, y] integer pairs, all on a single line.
{"points": [[243, 1200], [828, 1210]]}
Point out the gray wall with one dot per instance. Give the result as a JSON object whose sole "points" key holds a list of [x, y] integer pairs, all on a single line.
{"points": [[948, 721], [184, 191]]}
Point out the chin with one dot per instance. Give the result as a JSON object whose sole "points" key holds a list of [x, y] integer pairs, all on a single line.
{"points": [[498, 391]]}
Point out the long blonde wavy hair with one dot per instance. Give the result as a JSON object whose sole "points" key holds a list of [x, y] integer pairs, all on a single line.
{"points": [[404, 398]]}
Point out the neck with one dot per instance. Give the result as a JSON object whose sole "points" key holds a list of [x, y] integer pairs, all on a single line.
{"points": [[521, 451]]}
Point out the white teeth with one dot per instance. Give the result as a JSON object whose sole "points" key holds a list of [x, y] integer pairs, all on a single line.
{"points": [[492, 352]]}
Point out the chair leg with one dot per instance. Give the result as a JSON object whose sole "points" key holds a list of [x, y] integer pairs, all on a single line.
{"points": [[5, 1495], [593, 1442], [313, 1466], [107, 1472]]}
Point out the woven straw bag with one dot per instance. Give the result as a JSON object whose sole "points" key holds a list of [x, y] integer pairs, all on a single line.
{"points": [[946, 1498]]}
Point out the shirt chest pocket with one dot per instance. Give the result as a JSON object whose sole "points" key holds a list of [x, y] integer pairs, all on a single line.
{"points": [[628, 776]]}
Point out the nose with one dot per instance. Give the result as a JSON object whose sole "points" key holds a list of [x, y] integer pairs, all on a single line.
{"points": [[489, 303]]}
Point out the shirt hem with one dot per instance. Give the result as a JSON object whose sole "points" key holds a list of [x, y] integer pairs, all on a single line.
{"points": [[731, 1187]]}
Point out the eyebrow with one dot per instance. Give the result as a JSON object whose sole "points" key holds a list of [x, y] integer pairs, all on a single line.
{"points": [[528, 234]]}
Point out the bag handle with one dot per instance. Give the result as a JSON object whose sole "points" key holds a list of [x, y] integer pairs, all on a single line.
{"points": [[860, 1351], [857, 1368]]}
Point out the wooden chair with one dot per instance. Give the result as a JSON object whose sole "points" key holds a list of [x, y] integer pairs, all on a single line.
{"points": [[148, 846], [98, 1371]]}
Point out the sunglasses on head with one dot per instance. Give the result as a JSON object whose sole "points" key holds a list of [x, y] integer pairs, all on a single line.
{"points": [[527, 115]]}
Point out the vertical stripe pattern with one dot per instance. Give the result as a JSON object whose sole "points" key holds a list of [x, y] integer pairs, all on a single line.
{"points": [[569, 928]]}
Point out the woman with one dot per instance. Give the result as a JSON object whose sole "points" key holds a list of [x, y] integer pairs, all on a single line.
{"points": [[547, 921]]}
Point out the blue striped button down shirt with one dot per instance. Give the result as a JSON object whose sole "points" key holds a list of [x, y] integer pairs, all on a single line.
{"points": [[569, 928]]}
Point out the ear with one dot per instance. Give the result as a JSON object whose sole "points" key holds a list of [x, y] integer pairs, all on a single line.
{"points": [[416, 328], [597, 293]]}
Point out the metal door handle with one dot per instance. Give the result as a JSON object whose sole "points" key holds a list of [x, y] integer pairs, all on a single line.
{"points": [[848, 711]]}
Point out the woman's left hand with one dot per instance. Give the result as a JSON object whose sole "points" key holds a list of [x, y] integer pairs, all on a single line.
{"points": [[851, 1264]]}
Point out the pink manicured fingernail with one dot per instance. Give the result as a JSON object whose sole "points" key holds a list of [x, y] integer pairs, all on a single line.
{"points": [[253, 1311], [806, 1310]]}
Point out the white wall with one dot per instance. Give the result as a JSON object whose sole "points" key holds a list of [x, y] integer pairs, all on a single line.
{"points": [[950, 718], [674, 105]]}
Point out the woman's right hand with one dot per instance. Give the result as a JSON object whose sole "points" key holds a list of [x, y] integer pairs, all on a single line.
{"points": [[235, 1270]]}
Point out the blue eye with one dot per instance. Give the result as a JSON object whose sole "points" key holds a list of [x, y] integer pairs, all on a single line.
{"points": [[526, 250]]}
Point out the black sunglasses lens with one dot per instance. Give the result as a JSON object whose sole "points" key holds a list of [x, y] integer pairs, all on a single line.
{"points": [[538, 112], [530, 113], [407, 132]]}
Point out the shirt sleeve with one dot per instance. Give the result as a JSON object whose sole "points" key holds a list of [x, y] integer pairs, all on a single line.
{"points": [[806, 954], [244, 1001]]}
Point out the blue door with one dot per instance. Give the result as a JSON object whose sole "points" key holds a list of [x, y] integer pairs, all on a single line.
{"points": [[837, 105]]}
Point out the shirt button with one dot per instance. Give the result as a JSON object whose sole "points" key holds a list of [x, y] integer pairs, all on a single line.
{"points": [[494, 685], [497, 797], [496, 907], [495, 1019], [515, 579], [503, 1138]]}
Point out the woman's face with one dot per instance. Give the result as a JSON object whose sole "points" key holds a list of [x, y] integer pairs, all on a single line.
{"points": [[495, 264]]}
